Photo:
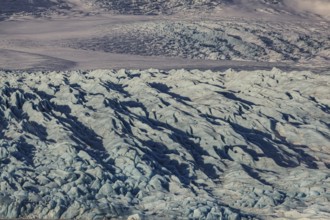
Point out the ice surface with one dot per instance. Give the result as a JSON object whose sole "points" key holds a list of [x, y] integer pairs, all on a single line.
{"points": [[164, 144], [86, 134], [203, 34], [214, 40], [116, 41]]}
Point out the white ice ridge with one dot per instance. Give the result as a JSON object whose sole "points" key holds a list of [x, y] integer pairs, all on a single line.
{"points": [[165, 144]]}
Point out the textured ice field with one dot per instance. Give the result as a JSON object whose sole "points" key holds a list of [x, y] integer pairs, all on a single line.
{"points": [[165, 144], [226, 39], [112, 42]]}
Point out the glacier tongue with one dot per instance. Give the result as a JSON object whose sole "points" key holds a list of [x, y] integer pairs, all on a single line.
{"points": [[171, 144]]}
